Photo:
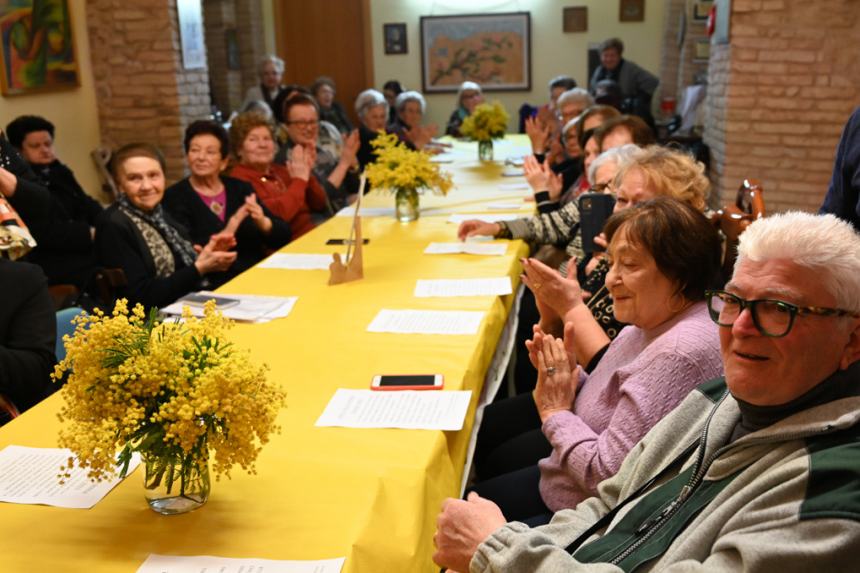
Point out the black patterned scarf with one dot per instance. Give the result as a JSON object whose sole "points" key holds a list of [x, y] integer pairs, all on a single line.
{"points": [[179, 247]]}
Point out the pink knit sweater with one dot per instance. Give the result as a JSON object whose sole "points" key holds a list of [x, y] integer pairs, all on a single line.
{"points": [[640, 379]]}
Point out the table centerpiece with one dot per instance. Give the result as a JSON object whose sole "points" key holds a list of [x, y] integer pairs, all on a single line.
{"points": [[171, 391], [406, 172], [487, 122]]}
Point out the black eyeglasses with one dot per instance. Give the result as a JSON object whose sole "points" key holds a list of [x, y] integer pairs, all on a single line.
{"points": [[600, 188], [771, 317], [304, 123]]}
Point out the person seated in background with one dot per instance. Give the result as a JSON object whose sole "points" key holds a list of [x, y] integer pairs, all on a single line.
{"points": [[636, 84], [289, 192], [650, 172], [372, 111], [391, 89], [136, 235], [843, 193], [65, 242], [410, 107], [547, 114], [336, 173], [207, 203], [546, 137], [608, 92], [754, 472], [469, 95], [572, 103], [624, 129], [665, 255], [271, 70], [28, 333], [323, 90]]}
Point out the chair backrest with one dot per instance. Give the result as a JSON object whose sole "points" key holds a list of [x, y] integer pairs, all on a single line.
{"points": [[65, 326], [526, 111], [107, 282], [63, 296], [101, 157], [733, 220]]}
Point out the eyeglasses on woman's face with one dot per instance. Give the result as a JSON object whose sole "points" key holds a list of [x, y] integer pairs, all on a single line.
{"points": [[771, 317]]}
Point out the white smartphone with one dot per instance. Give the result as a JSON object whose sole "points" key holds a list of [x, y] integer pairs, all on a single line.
{"points": [[407, 382]]}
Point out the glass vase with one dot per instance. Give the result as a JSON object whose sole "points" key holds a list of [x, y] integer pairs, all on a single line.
{"points": [[406, 205], [175, 484], [485, 150]]}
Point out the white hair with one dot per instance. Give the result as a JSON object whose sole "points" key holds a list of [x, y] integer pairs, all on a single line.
{"points": [[274, 60], [575, 95], [617, 155], [368, 99], [467, 86], [822, 244], [408, 96]]}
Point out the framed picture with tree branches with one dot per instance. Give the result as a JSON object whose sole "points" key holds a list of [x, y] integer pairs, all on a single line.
{"points": [[493, 50]]}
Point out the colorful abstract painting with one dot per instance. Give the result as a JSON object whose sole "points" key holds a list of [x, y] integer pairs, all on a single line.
{"points": [[490, 49], [37, 51]]}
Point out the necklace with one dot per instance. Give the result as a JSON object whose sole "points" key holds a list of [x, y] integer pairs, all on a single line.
{"points": [[217, 207]]}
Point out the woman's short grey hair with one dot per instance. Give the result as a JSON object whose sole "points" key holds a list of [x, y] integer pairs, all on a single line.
{"points": [[405, 97], [617, 155], [566, 82], [258, 106], [576, 95], [369, 99], [466, 87], [821, 244], [274, 60]]}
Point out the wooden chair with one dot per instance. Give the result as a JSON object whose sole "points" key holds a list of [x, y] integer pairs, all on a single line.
{"points": [[63, 296], [733, 220], [107, 282]]}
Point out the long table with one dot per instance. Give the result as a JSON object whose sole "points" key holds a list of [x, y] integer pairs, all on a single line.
{"points": [[368, 495]]}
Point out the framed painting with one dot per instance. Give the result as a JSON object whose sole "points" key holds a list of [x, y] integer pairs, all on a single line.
{"points": [[395, 38], [37, 50], [631, 11], [575, 19], [493, 50]]}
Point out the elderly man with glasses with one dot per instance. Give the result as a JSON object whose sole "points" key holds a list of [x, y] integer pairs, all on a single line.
{"points": [[756, 472]]}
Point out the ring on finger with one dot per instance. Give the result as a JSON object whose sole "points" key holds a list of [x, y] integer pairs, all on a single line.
{"points": [[536, 285], [550, 370]]}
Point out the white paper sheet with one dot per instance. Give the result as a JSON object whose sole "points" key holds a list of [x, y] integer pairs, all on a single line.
{"points": [[468, 248], [349, 211], [297, 261], [515, 186], [406, 409], [251, 308], [29, 475], [207, 564], [494, 286], [427, 321], [458, 218], [505, 206]]}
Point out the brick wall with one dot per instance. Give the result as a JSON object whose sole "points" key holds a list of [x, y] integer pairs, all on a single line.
{"points": [[143, 92], [679, 66], [779, 95], [245, 19]]}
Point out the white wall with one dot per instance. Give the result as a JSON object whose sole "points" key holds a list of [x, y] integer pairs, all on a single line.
{"points": [[74, 113], [553, 51]]}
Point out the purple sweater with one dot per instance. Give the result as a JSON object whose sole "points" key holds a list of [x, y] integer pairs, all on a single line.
{"points": [[640, 379]]}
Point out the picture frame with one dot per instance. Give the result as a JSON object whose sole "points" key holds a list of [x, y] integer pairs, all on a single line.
{"points": [[701, 9], [54, 67], [575, 19], [493, 50], [190, 14], [631, 11], [702, 50], [395, 38], [231, 44]]}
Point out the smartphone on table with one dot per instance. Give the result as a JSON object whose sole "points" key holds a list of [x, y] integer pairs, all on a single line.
{"points": [[407, 382], [594, 210], [197, 299]]}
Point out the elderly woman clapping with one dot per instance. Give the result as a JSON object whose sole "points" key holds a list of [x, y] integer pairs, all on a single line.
{"points": [[664, 255], [410, 107], [207, 202], [136, 235]]}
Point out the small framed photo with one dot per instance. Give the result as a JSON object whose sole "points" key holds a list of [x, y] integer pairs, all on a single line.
{"points": [[701, 10], [575, 19], [631, 11], [702, 50], [395, 38]]}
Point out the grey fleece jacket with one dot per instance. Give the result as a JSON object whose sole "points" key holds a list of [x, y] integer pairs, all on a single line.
{"points": [[785, 498]]}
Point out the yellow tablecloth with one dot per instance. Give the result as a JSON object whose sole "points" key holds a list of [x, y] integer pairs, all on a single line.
{"points": [[369, 495]]}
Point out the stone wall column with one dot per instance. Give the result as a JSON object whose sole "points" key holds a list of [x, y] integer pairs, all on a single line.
{"points": [[143, 91]]}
